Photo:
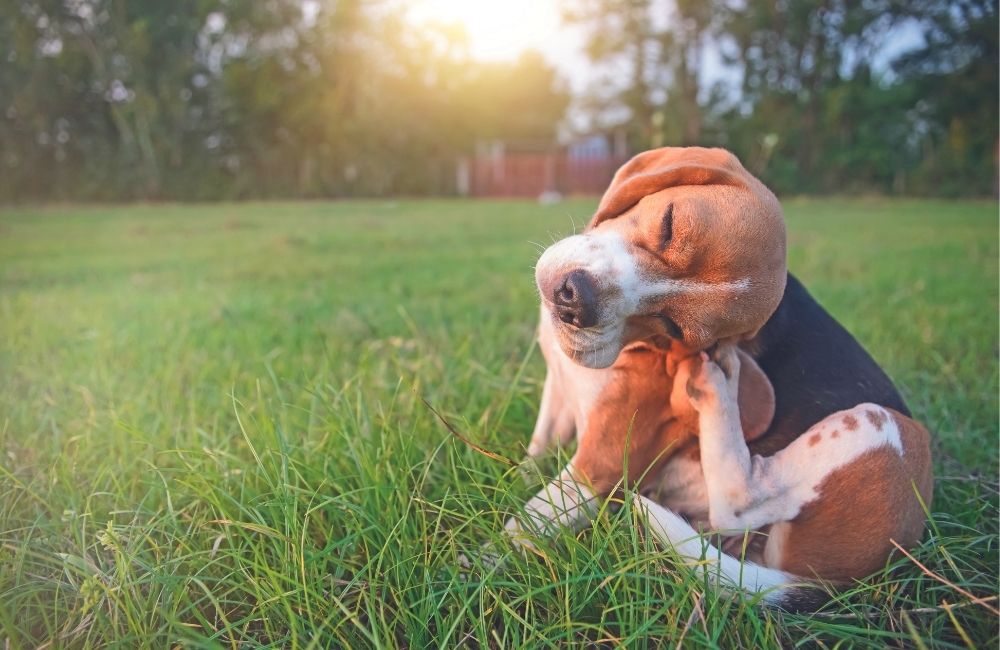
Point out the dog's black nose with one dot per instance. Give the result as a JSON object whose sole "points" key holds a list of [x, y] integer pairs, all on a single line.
{"points": [[576, 300]]}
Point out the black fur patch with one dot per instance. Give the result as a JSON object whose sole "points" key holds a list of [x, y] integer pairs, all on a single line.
{"points": [[816, 367], [798, 600]]}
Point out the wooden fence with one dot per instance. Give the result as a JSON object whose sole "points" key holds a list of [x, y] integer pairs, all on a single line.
{"points": [[533, 174]]}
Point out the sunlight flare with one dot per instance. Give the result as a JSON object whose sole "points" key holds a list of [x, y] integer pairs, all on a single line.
{"points": [[496, 30]]}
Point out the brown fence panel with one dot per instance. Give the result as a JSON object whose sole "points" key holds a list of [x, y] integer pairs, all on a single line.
{"points": [[531, 174], [525, 175], [587, 175]]}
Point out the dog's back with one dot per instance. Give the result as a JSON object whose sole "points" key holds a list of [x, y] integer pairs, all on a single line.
{"points": [[816, 367]]}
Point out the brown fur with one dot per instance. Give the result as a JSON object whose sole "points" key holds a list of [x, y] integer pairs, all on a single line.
{"points": [[727, 227], [632, 409], [632, 413], [847, 532]]}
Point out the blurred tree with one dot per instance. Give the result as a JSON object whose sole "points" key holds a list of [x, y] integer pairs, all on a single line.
{"points": [[800, 59], [97, 94], [952, 79], [818, 107], [201, 99], [215, 99], [532, 102], [653, 52]]}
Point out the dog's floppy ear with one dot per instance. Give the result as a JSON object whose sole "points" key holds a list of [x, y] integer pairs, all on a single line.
{"points": [[658, 169], [756, 398]]}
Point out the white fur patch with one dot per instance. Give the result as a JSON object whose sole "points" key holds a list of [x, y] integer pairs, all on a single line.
{"points": [[669, 287], [556, 420], [568, 400], [605, 256]]}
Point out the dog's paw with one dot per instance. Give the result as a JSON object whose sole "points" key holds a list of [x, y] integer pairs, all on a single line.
{"points": [[530, 470], [487, 559], [728, 359], [714, 379], [706, 384]]}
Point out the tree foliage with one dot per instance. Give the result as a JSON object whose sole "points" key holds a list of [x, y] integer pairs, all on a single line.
{"points": [[110, 99], [819, 108], [204, 99]]}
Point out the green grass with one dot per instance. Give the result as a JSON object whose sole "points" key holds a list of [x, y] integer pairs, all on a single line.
{"points": [[211, 433]]}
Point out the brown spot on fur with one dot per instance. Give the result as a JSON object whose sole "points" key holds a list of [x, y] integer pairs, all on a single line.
{"points": [[877, 418], [814, 439], [835, 433], [845, 533], [851, 423]]}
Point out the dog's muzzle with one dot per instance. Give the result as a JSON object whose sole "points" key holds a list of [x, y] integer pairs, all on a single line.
{"points": [[580, 282]]}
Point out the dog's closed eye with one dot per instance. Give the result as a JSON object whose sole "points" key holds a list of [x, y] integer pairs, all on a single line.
{"points": [[667, 228], [672, 328]]}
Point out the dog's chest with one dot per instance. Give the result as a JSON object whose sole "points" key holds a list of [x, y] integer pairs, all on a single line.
{"points": [[680, 487]]}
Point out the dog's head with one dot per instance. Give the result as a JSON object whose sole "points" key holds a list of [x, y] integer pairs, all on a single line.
{"points": [[687, 248]]}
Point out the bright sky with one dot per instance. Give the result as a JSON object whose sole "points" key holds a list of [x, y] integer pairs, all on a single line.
{"points": [[503, 29]]}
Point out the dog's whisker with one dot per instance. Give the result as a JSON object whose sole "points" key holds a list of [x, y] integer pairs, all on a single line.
{"points": [[572, 221]]}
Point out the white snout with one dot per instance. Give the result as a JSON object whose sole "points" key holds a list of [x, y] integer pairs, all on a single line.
{"points": [[606, 258]]}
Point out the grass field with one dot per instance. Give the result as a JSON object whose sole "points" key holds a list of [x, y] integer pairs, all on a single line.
{"points": [[211, 432]]}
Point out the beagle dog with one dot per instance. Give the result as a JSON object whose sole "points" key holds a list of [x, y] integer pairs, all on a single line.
{"points": [[688, 364]]}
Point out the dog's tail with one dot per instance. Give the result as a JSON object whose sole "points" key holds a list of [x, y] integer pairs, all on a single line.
{"points": [[779, 588]]}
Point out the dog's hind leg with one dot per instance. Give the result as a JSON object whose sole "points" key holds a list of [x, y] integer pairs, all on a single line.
{"points": [[748, 492]]}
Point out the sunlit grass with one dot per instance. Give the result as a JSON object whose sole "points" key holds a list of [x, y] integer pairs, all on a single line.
{"points": [[211, 431]]}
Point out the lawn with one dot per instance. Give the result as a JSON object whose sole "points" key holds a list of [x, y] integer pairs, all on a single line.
{"points": [[212, 433]]}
